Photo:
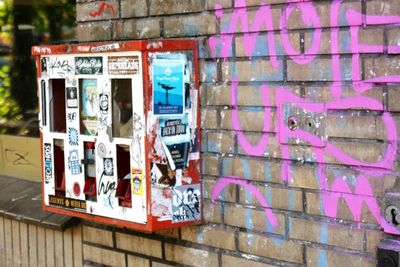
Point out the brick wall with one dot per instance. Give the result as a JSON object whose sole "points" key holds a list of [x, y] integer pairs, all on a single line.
{"points": [[272, 195]]}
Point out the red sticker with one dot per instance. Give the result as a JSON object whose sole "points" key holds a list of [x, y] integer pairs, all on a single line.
{"points": [[77, 189]]}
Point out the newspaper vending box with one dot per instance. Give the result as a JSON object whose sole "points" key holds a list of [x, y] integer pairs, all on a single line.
{"points": [[120, 132]]}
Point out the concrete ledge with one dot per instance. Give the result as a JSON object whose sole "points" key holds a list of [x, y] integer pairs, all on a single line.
{"points": [[22, 200]]}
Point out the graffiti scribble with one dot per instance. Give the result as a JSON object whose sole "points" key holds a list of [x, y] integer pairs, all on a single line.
{"points": [[101, 10]]}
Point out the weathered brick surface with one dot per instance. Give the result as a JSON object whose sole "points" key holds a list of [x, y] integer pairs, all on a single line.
{"points": [[381, 67], [239, 216], [94, 31], [331, 234], [268, 247], [97, 236], [138, 262], [139, 244], [252, 169], [90, 11], [211, 236], [259, 70], [230, 261], [320, 69], [314, 257], [103, 256], [277, 198], [202, 24], [190, 256], [137, 29], [326, 201], [133, 8], [162, 7]]}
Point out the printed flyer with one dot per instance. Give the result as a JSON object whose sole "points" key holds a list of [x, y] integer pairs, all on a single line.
{"points": [[175, 134], [186, 203], [90, 106], [168, 86]]}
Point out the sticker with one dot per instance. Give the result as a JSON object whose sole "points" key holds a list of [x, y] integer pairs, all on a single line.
{"points": [[77, 189], [68, 203], [128, 65], [161, 203], [90, 106], [175, 134], [73, 162], [168, 176], [168, 86], [108, 166], [186, 203], [102, 150], [106, 47], [48, 165], [60, 66], [73, 136], [43, 66], [72, 97], [137, 178], [103, 104], [88, 65], [71, 116]]}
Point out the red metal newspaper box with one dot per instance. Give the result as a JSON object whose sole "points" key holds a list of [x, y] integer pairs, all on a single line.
{"points": [[120, 132]]}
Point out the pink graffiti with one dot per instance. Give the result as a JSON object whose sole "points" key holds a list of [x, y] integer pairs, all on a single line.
{"points": [[259, 149], [101, 10], [223, 182], [330, 195]]}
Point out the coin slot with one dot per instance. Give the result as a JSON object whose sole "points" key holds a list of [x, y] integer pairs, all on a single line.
{"points": [[292, 123]]}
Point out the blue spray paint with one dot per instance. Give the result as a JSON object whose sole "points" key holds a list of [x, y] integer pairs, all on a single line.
{"points": [[249, 198], [322, 257]]}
